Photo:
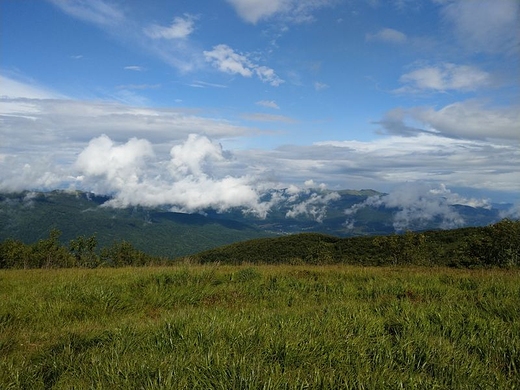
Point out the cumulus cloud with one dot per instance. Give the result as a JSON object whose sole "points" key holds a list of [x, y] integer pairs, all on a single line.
{"points": [[444, 77], [191, 157], [179, 28], [485, 26], [387, 35], [416, 206], [20, 174], [131, 174], [120, 165], [226, 60]]}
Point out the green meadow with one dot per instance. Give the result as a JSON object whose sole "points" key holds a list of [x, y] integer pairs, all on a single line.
{"points": [[260, 327]]}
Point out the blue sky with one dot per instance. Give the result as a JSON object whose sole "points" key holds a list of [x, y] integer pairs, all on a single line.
{"points": [[212, 103]]}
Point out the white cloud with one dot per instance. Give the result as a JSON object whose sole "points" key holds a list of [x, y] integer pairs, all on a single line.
{"points": [[387, 35], [190, 157], [320, 86], [169, 44], [225, 59], [188, 181], [464, 145], [19, 173], [204, 84], [262, 117], [390, 160], [472, 119], [180, 28], [139, 86], [485, 26], [314, 206], [12, 89], [268, 104], [121, 165], [75, 121], [469, 119], [254, 10], [267, 75], [295, 11], [513, 212], [135, 68], [444, 77], [418, 204], [94, 11]]}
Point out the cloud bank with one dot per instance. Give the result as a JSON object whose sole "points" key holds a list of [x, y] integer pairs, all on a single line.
{"points": [[417, 205], [485, 26]]}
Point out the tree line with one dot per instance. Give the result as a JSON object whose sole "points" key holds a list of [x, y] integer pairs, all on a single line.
{"points": [[80, 252], [497, 245]]}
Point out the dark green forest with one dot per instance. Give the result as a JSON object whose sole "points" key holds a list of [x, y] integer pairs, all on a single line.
{"points": [[496, 245], [161, 232], [158, 232]]}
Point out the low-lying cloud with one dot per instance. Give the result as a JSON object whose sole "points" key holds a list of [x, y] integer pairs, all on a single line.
{"points": [[189, 181], [417, 205]]}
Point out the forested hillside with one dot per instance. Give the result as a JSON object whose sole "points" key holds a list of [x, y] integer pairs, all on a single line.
{"points": [[496, 245], [159, 231], [29, 217]]}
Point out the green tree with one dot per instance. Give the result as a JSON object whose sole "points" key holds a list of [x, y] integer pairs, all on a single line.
{"points": [[14, 254], [408, 248], [50, 253], [84, 251], [390, 246], [121, 254], [495, 245]]}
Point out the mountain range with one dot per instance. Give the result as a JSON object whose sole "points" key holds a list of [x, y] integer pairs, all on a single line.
{"points": [[29, 216]]}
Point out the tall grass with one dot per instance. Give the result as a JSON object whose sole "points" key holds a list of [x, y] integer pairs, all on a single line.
{"points": [[287, 327]]}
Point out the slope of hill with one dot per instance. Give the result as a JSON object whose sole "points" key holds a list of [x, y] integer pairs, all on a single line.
{"points": [[158, 231], [30, 217], [494, 245]]}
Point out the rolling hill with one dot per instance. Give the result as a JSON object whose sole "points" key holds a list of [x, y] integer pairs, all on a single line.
{"points": [[29, 216]]}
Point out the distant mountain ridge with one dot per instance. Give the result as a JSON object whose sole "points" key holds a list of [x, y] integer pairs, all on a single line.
{"points": [[29, 216]]}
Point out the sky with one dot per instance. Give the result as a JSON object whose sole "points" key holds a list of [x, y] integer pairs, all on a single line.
{"points": [[213, 103]]}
